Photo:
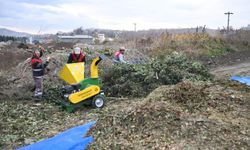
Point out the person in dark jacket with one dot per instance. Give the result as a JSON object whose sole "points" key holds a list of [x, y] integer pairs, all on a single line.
{"points": [[38, 67], [76, 56]]}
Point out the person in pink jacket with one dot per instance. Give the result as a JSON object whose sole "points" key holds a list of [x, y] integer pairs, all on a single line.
{"points": [[119, 56]]}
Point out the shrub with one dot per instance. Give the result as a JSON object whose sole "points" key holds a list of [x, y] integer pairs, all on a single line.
{"points": [[139, 80]]}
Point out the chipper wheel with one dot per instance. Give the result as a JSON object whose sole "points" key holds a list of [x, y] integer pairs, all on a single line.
{"points": [[98, 101]]}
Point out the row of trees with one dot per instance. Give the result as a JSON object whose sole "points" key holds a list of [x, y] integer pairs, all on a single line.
{"points": [[6, 38], [11, 38]]}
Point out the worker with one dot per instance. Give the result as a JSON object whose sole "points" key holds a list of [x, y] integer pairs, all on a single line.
{"points": [[119, 56], [38, 70], [76, 56]]}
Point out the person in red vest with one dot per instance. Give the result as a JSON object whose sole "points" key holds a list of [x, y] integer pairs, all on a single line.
{"points": [[119, 56], [76, 56], [38, 67]]}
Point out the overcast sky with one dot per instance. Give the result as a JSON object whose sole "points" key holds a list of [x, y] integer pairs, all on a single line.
{"points": [[50, 16]]}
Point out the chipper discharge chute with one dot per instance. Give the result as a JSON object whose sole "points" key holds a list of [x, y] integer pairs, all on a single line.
{"points": [[82, 91]]}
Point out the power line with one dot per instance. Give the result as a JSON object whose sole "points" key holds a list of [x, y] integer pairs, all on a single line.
{"points": [[228, 19]]}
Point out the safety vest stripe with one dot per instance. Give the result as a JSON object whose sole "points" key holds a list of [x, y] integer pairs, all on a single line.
{"points": [[37, 69]]}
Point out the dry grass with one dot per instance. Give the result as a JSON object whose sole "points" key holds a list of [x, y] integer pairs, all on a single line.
{"points": [[196, 44]]}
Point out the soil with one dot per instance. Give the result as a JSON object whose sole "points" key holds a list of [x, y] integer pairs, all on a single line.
{"points": [[242, 69], [10, 58]]}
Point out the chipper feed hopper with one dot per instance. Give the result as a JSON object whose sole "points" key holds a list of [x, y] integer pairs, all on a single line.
{"points": [[82, 91]]}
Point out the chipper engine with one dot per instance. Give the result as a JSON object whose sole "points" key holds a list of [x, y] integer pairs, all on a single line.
{"points": [[82, 91]]}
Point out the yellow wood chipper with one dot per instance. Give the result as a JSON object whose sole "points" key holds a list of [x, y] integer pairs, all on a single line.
{"points": [[82, 90]]}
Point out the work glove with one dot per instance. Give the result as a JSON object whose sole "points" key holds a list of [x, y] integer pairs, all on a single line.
{"points": [[41, 48], [48, 59]]}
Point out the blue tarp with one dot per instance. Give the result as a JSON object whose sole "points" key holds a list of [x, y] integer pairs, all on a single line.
{"points": [[72, 139], [245, 80]]}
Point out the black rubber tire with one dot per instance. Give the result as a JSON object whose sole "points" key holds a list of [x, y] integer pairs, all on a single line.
{"points": [[98, 101]]}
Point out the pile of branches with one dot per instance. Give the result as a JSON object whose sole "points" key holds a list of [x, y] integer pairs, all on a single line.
{"points": [[139, 80], [188, 115]]}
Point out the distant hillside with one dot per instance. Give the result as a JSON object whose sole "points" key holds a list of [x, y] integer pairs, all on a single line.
{"points": [[7, 32], [113, 33], [123, 34]]}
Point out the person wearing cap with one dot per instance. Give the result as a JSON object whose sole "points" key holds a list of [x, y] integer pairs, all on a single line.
{"points": [[38, 67], [76, 56], [119, 56]]}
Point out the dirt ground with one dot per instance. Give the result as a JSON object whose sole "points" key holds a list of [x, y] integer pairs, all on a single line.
{"points": [[235, 63], [12, 57], [242, 69]]}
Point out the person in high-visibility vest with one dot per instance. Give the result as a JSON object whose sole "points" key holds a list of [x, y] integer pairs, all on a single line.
{"points": [[38, 67], [119, 56], [76, 56]]}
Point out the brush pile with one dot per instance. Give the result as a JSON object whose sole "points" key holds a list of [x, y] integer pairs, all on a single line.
{"points": [[184, 116]]}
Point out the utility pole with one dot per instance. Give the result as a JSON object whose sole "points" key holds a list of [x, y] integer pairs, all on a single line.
{"points": [[134, 35], [135, 27], [228, 19]]}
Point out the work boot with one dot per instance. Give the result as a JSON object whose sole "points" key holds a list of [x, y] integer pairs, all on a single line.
{"points": [[38, 95]]}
